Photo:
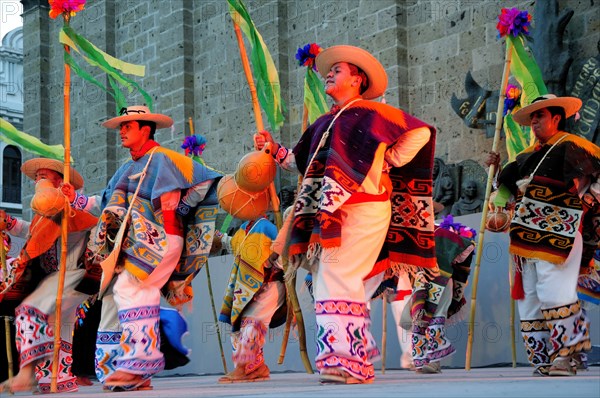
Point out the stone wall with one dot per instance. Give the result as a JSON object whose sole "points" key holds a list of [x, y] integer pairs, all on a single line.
{"points": [[193, 67]]}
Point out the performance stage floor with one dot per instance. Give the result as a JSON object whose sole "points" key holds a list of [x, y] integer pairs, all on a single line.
{"points": [[482, 382]]}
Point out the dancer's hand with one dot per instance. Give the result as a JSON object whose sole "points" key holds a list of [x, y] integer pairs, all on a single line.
{"points": [[69, 191], [492, 158], [272, 260], [261, 139]]}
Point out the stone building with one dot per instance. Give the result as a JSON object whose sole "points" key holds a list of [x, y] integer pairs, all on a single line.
{"points": [[193, 67], [11, 110]]}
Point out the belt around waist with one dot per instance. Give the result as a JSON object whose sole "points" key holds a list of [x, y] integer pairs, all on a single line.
{"points": [[361, 197]]}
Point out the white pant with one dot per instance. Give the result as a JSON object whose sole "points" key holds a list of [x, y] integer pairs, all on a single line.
{"points": [[129, 324], [341, 293], [548, 285], [552, 323], [404, 336]]}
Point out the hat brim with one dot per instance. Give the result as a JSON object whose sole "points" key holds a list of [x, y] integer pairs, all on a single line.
{"points": [[162, 121], [570, 104], [31, 167], [357, 56]]}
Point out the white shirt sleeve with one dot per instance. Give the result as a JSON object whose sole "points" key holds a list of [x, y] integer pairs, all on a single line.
{"points": [[197, 193], [91, 204], [20, 228], [407, 146]]}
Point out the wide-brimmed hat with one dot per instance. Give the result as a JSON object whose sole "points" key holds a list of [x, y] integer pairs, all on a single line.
{"points": [[357, 56], [30, 167], [570, 104], [138, 112]]}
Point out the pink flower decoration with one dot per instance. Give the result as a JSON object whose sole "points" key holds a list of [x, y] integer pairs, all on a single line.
{"points": [[514, 22], [68, 7], [306, 55]]}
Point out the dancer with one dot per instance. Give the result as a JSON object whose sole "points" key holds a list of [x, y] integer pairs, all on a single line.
{"points": [[41, 256], [553, 233], [367, 176]]}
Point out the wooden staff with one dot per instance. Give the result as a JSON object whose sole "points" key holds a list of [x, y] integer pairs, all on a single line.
{"points": [[288, 325], [9, 355], [257, 115], [383, 332], [292, 298], [291, 289], [290, 312], [488, 190], [65, 221], [210, 291], [513, 346]]}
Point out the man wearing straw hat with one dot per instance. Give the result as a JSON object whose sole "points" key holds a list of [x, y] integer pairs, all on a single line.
{"points": [[364, 206], [40, 257], [154, 199], [553, 233]]}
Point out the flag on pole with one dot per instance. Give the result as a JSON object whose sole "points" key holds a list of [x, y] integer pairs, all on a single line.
{"points": [[114, 68], [514, 25], [12, 136], [268, 88], [314, 90]]}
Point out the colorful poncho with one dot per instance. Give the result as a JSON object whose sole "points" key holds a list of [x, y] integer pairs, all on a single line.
{"points": [[146, 243], [340, 167], [454, 255], [550, 212], [251, 247], [43, 234]]}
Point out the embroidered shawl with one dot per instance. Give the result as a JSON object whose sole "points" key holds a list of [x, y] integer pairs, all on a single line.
{"points": [[340, 167], [454, 254], [550, 212], [145, 243], [251, 246]]}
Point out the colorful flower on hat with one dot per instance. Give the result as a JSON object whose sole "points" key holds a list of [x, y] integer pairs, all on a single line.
{"points": [[513, 21], [513, 93], [306, 55], [194, 144], [65, 7]]}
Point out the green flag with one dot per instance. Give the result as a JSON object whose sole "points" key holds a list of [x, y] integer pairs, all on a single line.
{"points": [[314, 95], [526, 71], [113, 67], [265, 74], [12, 136]]}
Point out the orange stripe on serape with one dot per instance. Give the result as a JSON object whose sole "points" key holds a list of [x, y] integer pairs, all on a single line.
{"points": [[581, 142], [44, 231], [391, 114], [379, 267], [539, 255], [183, 163]]}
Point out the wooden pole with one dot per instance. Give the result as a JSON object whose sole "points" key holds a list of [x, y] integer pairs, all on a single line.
{"points": [[513, 346], [292, 296], [488, 190], [210, 291], [257, 115], [214, 310], [286, 330], [291, 289], [288, 320], [65, 222], [383, 332], [191, 123], [9, 355]]}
